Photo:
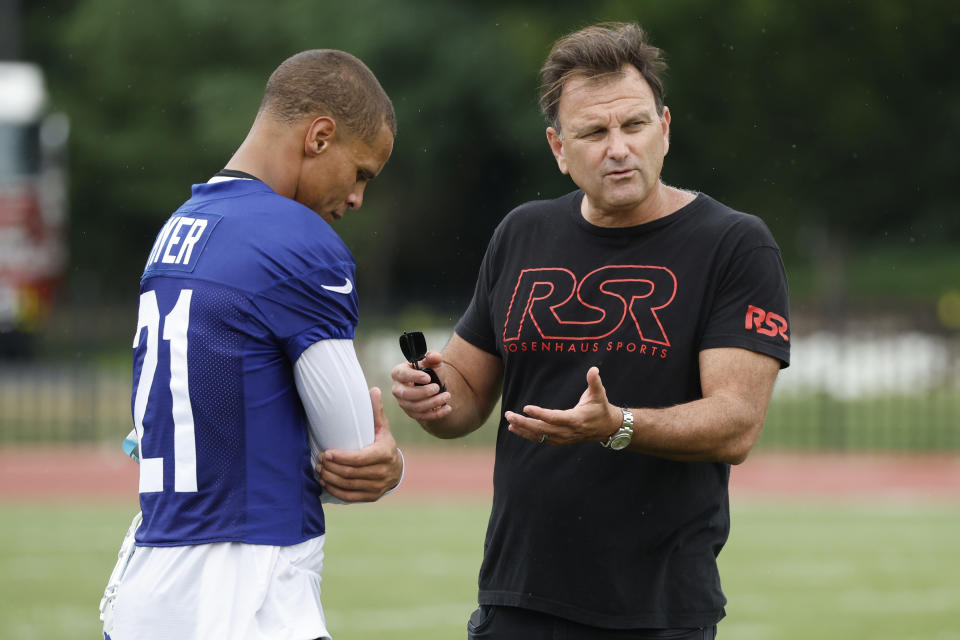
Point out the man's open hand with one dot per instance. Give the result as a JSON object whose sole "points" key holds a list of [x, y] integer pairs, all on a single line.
{"points": [[593, 419]]}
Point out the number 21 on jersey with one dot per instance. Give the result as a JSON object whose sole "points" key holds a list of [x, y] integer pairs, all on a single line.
{"points": [[175, 325]]}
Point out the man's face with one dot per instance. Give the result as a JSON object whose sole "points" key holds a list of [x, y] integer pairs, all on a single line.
{"points": [[611, 141], [335, 179]]}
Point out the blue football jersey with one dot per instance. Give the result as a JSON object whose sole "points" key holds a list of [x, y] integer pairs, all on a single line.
{"points": [[240, 281]]}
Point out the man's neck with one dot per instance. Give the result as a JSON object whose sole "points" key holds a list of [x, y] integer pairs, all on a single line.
{"points": [[661, 202]]}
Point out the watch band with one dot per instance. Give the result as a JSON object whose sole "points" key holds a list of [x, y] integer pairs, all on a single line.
{"points": [[624, 435], [627, 418]]}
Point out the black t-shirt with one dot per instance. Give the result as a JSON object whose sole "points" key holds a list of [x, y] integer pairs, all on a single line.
{"points": [[607, 538]]}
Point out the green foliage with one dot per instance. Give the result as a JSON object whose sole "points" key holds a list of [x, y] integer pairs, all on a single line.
{"points": [[822, 117], [791, 570]]}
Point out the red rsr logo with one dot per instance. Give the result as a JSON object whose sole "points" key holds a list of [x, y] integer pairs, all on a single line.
{"points": [[552, 303], [766, 323]]}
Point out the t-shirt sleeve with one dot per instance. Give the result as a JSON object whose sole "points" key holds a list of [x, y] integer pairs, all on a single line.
{"points": [[319, 305], [751, 309], [476, 324]]}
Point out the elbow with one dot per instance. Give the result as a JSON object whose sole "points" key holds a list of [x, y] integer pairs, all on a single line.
{"points": [[443, 435], [740, 446], [433, 430], [441, 431], [736, 457]]}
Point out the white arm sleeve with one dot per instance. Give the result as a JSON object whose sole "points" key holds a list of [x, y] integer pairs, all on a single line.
{"points": [[335, 396]]}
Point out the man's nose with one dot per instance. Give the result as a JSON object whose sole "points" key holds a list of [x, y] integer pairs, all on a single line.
{"points": [[355, 199], [617, 145]]}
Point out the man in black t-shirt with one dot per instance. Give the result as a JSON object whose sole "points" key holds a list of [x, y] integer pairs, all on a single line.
{"points": [[636, 330]]}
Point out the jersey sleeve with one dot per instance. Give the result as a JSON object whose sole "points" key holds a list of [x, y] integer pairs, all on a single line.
{"points": [[751, 309], [476, 324], [302, 310]]}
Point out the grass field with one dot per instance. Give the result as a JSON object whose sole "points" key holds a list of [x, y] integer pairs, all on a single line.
{"points": [[405, 570]]}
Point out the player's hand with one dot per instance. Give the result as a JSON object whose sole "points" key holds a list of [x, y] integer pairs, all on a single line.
{"points": [[421, 402], [593, 419], [364, 475]]}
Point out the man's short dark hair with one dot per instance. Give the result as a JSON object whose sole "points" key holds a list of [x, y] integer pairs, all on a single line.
{"points": [[332, 83], [595, 51]]}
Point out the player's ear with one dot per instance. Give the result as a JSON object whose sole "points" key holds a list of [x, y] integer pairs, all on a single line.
{"points": [[555, 140], [319, 135]]}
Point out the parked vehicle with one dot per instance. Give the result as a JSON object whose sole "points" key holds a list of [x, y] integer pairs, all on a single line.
{"points": [[33, 204]]}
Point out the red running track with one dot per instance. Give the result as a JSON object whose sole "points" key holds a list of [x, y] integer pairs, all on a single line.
{"points": [[85, 473]]}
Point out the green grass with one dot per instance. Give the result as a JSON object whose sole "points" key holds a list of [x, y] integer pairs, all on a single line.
{"points": [[55, 560], [402, 570], [792, 570], [843, 570]]}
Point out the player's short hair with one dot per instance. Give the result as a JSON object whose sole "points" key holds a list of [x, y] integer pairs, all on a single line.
{"points": [[595, 51], [328, 82]]}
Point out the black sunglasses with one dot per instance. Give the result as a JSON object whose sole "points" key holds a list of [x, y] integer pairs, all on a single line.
{"points": [[414, 348]]}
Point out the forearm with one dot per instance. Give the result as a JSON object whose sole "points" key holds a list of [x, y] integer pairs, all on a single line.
{"points": [[472, 378], [723, 425], [721, 428], [334, 394], [468, 411]]}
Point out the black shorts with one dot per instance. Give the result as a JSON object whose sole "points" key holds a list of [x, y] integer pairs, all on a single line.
{"points": [[513, 623]]}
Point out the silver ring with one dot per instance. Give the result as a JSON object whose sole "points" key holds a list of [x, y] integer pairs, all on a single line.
{"points": [[543, 439]]}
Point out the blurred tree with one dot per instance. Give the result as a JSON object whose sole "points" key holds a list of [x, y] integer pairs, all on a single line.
{"points": [[826, 118]]}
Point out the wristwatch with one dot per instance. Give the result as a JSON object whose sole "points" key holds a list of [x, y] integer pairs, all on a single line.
{"points": [[622, 436]]}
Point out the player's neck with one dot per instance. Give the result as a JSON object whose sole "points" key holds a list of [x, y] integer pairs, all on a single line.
{"points": [[266, 153]]}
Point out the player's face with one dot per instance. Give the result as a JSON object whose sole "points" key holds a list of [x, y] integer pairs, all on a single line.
{"points": [[611, 141], [335, 181]]}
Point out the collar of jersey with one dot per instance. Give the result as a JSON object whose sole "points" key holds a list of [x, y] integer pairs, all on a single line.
{"points": [[237, 186]]}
